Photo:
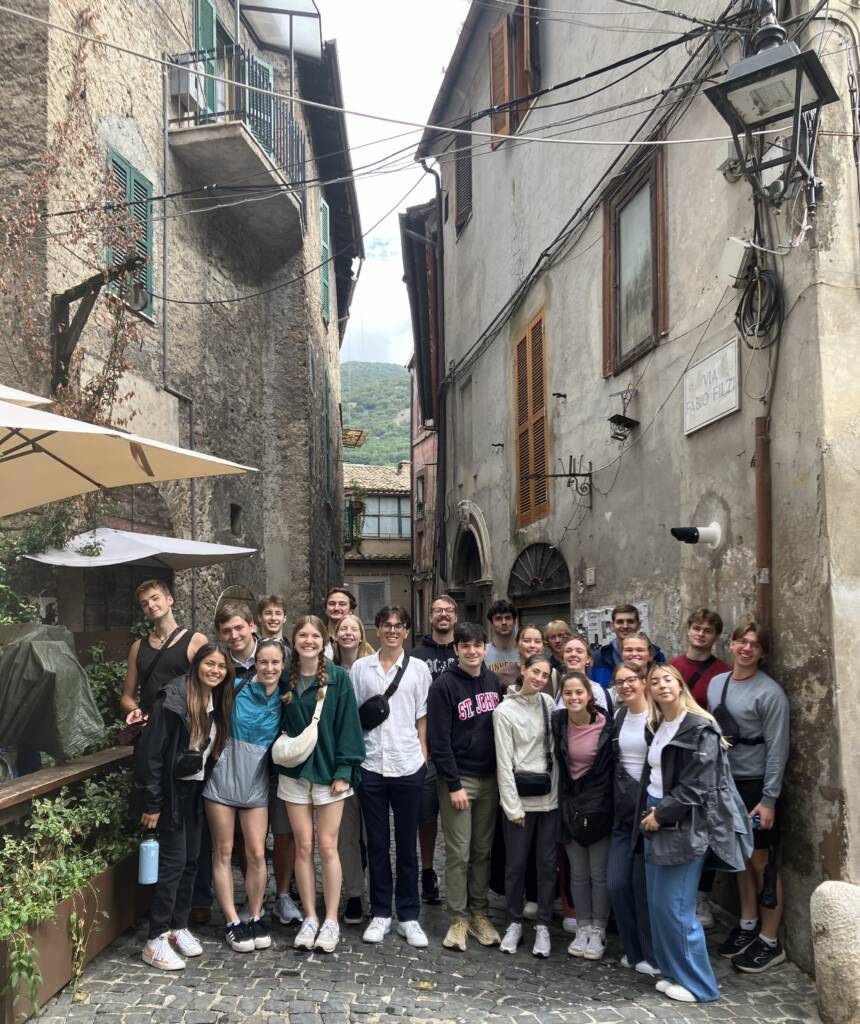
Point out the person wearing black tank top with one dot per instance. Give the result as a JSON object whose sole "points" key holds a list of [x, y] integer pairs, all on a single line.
{"points": [[153, 662]]}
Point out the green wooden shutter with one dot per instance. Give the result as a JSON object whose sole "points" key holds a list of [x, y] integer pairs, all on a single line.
{"points": [[205, 38], [325, 265], [133, 187]]}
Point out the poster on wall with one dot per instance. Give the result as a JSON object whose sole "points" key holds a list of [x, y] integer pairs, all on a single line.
{"points": [[596, 623]]}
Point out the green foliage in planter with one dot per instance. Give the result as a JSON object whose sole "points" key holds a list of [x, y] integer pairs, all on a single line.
{"points": [[67, 840], [106, 680]]}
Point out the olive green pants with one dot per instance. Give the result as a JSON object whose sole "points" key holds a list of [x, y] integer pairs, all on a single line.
{"points": [[468, 844]]}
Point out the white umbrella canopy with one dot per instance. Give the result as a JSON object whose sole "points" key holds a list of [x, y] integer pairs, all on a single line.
{"points": [[17, 397], [46, 458], [121, 547]]}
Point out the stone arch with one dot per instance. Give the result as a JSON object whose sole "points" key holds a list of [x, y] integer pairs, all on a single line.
{"points": [[471, 581]]}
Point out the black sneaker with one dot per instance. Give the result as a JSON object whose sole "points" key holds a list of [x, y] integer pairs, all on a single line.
{"points": [[239, 938], [737, 941], [259, 933], [758, 956], [430, 887], [353, 911]]}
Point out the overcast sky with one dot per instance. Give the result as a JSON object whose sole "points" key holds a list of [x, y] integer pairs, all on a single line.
{"points": [[393, 54]]}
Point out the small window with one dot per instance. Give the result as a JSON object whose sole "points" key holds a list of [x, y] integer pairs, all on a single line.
{"points": [[387, 517], [419, 497], [463, 182], [371, 597], [135, 224], [237, 519], [325, 261], [635, 301], [514, 67]]}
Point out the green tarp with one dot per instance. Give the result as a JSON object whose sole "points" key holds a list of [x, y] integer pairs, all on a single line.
{"points": [[45, 698]]}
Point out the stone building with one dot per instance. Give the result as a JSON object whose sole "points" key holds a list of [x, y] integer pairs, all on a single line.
{"points": [[377, 539], [596, 392], [249, 264]]}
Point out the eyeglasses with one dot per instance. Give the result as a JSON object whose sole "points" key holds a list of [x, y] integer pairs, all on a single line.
{"points": [[627, 681], [392, 627], [752, 644]]}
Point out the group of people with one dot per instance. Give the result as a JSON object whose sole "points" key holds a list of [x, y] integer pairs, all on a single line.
{"points": [[607, 777]]}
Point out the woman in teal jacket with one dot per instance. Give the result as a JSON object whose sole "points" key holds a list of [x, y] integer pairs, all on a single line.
{"points": [[325, 779]]}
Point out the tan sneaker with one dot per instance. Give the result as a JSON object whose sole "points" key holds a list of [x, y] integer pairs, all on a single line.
{"points": [[456, 936], [482, 928]]}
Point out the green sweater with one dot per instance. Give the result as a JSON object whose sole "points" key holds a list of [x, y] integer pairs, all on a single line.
{"points": [[340, 743]]}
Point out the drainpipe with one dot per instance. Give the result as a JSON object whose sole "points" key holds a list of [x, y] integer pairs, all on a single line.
{"points": [[440, 568], [763, 524], [165, 332]]}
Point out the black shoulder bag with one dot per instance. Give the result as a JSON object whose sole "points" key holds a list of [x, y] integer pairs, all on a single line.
{"points": [[537, 783], [376, 709], [728, 723]]}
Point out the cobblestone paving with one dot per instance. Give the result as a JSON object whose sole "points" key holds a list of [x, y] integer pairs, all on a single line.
{"points": [[363, 984]]}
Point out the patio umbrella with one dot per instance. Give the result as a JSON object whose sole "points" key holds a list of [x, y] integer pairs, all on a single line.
{"points": [[17, 397], [45, 458], [121, 547]]}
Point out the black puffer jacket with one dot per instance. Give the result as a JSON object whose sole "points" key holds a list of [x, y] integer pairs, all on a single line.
{"points": [[585, 805]]}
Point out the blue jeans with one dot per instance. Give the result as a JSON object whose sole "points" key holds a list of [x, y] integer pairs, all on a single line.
{"points": [[679, 939], [377, 793], [625, 879]]}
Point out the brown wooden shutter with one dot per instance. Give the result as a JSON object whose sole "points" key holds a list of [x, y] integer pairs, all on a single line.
{"points": [[463, 181], [524, 484], [532, 425], [500, 83]]}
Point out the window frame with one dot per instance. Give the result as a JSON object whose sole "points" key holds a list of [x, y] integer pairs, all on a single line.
{"points": [[531, 419], [462, 160], [518, 51], [403, 514], [116, 162], [650, 173], [325, 261]]}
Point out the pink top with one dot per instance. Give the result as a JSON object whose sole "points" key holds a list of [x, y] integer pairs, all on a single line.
{"points": [[582, 745]]}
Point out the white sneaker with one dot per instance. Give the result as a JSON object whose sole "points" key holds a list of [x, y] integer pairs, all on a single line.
{"points": [[328, 937], [568, 925], [704, 911], [376, 931], [413, 933], [663, 984], [595, 945], [625, 963], [286, 910], [159, 953], [679, 993], [513, 937], [643, 967], [579, 944], [306, 934], [530, 910], [185, 942], [542, 945]]}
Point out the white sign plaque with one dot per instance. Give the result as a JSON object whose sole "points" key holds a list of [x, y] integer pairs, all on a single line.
{"points": [[712, 388]]}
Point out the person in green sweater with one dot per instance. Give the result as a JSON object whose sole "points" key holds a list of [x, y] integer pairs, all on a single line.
{"points": [[324, 780]]}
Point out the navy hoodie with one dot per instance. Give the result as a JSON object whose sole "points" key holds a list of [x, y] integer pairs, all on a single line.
{"points": [[460, 724], [437, 657]]}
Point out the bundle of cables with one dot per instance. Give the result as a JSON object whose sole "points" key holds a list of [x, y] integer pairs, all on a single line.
{"points": [[761, 309]]}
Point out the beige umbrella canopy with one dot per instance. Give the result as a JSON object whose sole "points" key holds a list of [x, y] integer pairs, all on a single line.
{"points": [[45, 458]]}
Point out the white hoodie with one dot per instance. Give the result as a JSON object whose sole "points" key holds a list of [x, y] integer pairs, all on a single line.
{"points": [[518, 725]]}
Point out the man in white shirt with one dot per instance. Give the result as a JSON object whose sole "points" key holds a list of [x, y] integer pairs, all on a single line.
{"points": [[393, 774]]}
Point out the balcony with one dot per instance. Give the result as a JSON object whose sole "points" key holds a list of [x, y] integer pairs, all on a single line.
{"points": [[227, 134]]}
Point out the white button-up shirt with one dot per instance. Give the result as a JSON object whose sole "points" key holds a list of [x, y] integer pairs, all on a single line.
{"points": [[393, 748]]}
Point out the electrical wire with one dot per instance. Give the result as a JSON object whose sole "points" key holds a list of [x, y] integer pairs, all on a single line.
{"points": [[644, 7]]}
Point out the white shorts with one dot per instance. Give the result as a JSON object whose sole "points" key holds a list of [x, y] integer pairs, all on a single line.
{"points": [[300, 791]]}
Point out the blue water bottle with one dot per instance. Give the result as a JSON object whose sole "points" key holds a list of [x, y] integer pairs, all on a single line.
{"points": [[147, 863]]}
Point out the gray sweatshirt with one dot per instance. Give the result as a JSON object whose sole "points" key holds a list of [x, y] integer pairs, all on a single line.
{"points": [[760, 707], [518, 726]]}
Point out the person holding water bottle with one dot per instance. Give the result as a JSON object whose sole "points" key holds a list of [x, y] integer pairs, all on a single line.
{"points": [[183, 738]]}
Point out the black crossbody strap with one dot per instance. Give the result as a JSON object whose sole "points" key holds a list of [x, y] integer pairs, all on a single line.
{"points": [[546, 744], [395, 682], [145, 677], [697, 675]]}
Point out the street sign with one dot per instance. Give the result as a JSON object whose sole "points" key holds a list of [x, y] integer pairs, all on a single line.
{"points": [[712, 388]]}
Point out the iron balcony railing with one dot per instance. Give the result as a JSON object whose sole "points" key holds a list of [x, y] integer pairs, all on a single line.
{"points": [[204, 100]]}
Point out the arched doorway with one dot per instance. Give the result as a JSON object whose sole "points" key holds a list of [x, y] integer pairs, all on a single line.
{"points": [[539, 585], [471, 583]]}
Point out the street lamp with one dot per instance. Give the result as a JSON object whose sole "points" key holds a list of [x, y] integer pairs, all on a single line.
{"points": [[778, 83]]}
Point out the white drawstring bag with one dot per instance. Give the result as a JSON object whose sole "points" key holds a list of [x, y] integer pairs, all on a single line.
{"points": [[291, 751]]}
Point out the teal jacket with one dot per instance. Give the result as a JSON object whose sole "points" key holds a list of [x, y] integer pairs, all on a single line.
{"points": [[340, 743]]}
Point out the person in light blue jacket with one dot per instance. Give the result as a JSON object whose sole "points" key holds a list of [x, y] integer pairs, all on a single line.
{"points": [[239, 784]]}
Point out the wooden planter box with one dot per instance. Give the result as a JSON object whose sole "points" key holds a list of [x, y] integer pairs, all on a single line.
{"points": [[114, 891]]}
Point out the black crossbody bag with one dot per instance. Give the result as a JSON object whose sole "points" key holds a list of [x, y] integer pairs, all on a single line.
{"points": [[537, 783], [376, 709], [728, 723]]}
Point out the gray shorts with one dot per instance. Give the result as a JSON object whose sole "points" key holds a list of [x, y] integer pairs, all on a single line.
{"points": [[279, 820], [429, 797]]}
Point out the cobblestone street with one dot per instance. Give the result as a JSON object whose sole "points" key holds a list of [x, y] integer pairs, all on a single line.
{"points": [[363, 984]]}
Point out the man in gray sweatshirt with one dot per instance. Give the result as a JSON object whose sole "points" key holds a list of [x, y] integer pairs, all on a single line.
{"points": [[753, 712]]}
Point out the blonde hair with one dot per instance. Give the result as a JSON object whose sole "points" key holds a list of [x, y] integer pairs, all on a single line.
{"points": [[688, 702], [322, 668], [364, 647], [556, 626]]}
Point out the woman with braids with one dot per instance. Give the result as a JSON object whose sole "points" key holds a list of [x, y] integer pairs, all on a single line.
{"points": [[325, 779], [239, 784], [184, 737]]}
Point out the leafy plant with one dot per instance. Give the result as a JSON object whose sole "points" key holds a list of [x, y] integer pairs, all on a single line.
{"points": [[106, 679]]}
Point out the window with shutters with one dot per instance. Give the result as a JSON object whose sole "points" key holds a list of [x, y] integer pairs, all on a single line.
{"points": [[532, 452], [325, 260], [514, 67], [132, 188], [463, 181], [635, 301]]}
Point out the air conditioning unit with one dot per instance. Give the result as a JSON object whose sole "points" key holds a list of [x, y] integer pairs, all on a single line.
{"points": [[187, 84]]}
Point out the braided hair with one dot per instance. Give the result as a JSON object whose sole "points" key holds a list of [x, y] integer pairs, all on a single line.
{"points": [[322, 669]]}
